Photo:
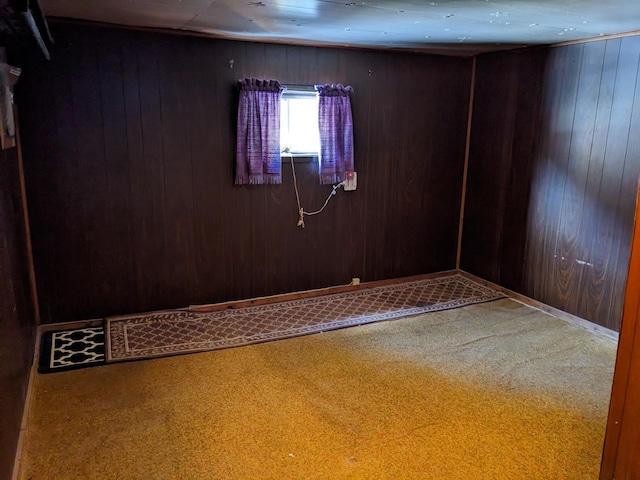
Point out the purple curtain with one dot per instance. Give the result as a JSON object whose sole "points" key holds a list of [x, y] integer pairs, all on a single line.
{"points": [[258, 140], [336, 132]]}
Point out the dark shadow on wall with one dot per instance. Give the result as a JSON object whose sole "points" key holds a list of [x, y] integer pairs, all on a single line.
{"points": [[17, 326], [507, 113], [554, 159]]}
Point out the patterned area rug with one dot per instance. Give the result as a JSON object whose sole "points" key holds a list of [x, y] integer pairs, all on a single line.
{"points": [[183, 331], [70, 349]]}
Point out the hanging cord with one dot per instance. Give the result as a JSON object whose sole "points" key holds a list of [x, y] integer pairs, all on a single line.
{"points": [[333, 192], [295, 187], [301, 212]]}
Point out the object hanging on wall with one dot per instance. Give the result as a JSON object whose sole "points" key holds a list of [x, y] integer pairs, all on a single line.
{"points": [[8, 77], [22, 23]]}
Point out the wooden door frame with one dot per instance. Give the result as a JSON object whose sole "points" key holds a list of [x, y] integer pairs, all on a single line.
{"points": [[616, 453]]}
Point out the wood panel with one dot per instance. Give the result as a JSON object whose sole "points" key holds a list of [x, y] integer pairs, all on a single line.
{"points": [[552, 171], [620, 453], [130, 172], [17, 325]]}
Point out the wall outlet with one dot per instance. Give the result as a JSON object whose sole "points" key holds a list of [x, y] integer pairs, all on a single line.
{"points": [[355, 281], [350, 181]]}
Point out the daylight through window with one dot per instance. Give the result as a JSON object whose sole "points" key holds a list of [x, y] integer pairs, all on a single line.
{"points": [[299, 133]]}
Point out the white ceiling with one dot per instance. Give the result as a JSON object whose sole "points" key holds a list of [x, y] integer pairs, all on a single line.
{"points": [[460, 27]]}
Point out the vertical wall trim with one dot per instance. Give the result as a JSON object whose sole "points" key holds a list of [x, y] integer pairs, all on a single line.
{"points": [[27, 405], [466, 162], [27, 227], [615, 455]]}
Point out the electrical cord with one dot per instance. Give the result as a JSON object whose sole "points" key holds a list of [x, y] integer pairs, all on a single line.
{"points": [[301, 212], [333, 192]]}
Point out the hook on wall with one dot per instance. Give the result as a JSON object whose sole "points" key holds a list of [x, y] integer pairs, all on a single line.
{"points": [[370, 72], [231, 62]]}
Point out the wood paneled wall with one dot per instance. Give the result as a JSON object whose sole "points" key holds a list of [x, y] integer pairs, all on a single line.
{"points": [[554, 164], [129, 141], [17, 326]]}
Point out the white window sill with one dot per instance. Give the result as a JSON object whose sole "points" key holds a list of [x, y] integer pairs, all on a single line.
{"points": [[299, 157]]}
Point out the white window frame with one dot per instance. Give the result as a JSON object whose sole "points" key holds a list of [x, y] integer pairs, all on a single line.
{"points": [[288, 122]]}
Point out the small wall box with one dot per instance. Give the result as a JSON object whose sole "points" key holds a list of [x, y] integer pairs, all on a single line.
{"points": [[8, 77], [351, 181]]}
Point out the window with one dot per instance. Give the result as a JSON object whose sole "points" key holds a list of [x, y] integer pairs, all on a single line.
{"points": [[299, 135]]}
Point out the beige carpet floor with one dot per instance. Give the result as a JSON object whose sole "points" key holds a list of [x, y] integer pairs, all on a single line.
{"points": [[489, 391]]}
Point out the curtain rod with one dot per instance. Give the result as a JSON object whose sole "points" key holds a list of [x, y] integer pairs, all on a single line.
{"points": [[299, 88]]}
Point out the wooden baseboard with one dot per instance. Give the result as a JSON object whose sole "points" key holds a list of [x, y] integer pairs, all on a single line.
{"points": [[233, 304], [562, 315], [49, 327], [314, 293]]}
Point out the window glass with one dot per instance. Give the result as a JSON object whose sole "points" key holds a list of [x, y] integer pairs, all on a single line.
{"points": [[299, 123]]}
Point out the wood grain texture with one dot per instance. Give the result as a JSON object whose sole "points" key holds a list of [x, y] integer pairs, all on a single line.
{"points": [[555, 160], [17, 324], [620, 453], [130, 173]]}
